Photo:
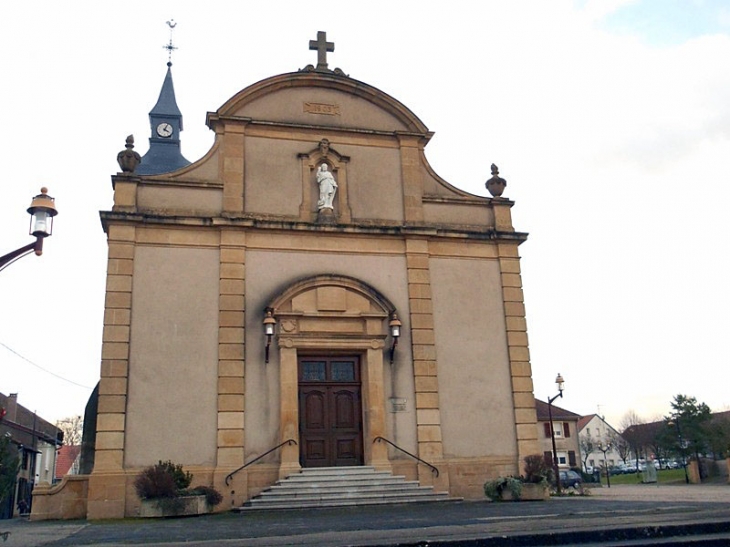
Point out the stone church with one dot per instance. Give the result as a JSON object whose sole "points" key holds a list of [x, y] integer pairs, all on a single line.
{"points": [[312, 291]]}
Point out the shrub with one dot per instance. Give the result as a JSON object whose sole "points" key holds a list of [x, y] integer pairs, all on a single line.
{"points": [[155, 482], [212, 496], [182, 478], [493, 489], [166, 482], [536, 469], [162, 480]]}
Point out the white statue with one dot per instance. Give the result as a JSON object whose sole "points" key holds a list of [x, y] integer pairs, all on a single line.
{"points": [[327, 187]]}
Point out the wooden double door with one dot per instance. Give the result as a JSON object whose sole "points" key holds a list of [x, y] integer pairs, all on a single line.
{"points": [[330, 411]]}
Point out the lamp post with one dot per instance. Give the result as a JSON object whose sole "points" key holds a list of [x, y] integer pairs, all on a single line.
{"points": [[41, 210], [680, 440], [560, 383], [605, 448]]}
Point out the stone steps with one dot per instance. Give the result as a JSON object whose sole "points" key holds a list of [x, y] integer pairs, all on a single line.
{"points": [[342, 486]]}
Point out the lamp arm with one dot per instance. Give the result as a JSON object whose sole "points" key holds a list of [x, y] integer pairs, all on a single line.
{"points": [[36, 246], [551, 399]]}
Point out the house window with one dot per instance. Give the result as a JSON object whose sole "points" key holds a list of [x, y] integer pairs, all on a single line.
{"points": [[558, 429], [562, 458], [592, 463]]}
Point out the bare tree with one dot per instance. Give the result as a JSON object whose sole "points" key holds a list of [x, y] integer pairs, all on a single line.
{"points": [[629, 419], [622, 447], [73, 428], [587, 446], [632, 435]]}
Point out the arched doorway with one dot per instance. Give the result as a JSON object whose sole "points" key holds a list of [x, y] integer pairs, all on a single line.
{"points": [[331, 333]]}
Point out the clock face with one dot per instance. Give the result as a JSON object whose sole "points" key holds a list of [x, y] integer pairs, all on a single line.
{"points": [[164, 129]]}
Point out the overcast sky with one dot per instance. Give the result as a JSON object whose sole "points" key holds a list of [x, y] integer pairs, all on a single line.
{"points": [[610, 121]]}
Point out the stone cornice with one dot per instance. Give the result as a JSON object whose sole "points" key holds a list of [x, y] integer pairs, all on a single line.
{"points": [[354, 228]]}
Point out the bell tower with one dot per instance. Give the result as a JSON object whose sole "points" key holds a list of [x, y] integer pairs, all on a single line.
{"points": [[166, 123]]}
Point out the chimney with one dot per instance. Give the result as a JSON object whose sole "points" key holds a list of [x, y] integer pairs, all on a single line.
{"points": [[12, 408]]}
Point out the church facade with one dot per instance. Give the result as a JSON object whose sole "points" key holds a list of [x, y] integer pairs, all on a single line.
{"points": [[310, 288]]}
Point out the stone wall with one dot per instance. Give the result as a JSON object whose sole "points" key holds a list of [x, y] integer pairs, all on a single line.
{"points": [[64, 501]]}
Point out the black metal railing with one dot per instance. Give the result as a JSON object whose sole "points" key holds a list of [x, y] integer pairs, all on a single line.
{"points": [[391, 443], [245, 465]]}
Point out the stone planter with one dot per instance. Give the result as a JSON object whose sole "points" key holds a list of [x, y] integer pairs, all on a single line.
{"points": [[534, 492], [530, 492], [174, 507]]}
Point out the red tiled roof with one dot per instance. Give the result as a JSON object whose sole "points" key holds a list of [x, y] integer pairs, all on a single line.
{"points": [[584, 421], [66, 456]]}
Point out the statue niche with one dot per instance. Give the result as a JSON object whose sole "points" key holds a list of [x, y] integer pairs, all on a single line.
{"points": [[326, 168]]}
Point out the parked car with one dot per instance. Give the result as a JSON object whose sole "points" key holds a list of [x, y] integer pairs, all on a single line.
{"points": [[570, 479]]}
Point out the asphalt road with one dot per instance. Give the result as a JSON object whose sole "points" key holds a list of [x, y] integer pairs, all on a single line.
{"points": [[631, 515]]}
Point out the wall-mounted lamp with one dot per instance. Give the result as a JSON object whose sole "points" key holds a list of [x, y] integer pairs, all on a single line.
{"points": [[269, 327], [395, 326]]}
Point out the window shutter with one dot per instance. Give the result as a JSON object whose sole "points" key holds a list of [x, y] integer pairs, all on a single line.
{"points": [[548, 457], [547, 429], [566, 429], [571, 458]]}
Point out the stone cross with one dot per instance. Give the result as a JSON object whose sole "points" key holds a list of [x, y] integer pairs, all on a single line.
{"points": [[322, 46]]}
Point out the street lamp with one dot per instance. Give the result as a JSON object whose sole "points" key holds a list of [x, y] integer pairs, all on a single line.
{"points": [[560, 383], [605, 448], [680, 440], [42, 210]]}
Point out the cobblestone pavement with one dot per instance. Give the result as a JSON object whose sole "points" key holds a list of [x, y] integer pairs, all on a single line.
{"points": [[620, 508]]}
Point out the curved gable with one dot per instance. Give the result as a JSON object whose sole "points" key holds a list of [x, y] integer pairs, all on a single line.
{"points": [[320, 99]]}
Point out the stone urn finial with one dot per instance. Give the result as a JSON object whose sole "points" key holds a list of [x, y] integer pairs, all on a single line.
{"points": [[128, 159], [496, 184]]}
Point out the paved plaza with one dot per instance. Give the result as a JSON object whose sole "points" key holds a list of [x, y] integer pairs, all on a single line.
{"points": [[608, 516]]}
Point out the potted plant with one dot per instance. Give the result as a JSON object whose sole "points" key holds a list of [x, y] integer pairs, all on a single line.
{"points": [[535, 480], [533, 485], [503, 489], [164, 491]]}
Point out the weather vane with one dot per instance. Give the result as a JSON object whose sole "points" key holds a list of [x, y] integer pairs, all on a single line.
{"points": [[169, 47]]}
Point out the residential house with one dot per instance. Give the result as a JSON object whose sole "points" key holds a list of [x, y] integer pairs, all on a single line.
{"points": [[650, 439], [36, 441], [601, 444], [565, 425], [67, 461]]}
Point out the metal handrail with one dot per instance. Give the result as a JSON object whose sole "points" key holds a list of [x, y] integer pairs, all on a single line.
{"points": [[391, 443], [230, 475]]}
